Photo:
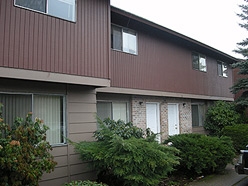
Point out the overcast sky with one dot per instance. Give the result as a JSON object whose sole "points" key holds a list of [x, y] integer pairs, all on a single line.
{"points": [[212, 22]]}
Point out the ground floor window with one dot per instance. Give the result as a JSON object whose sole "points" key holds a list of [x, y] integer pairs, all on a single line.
{"points": [[113, 110], [198, 114], [50, 108]]}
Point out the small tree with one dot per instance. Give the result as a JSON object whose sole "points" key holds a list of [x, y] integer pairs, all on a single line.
{"points": [[242, 84], [123, 156], [24, 152], [219, 115]]}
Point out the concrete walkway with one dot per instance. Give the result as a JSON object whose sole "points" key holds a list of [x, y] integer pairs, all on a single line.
{"points": [[228, 178]]}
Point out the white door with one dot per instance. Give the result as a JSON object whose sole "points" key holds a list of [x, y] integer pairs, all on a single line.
{"points": [[152, 118], [173, 119]]}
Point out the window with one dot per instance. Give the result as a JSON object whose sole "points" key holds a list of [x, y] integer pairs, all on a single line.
{"points": [[113, 110], [199, 62], [64, 9], [222, 69], [123, 39], [198, 114], [50, 108]]}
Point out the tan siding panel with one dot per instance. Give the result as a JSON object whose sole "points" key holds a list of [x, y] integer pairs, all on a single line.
{"points": [[79, 117], [54, 182], [82, 127], [80, 168], [76, 92], [61, 161], [82, 137], [71, 150], [59, 172], [79, 107], [85, 176], [75, 159], [87, 98], [59, 151]]}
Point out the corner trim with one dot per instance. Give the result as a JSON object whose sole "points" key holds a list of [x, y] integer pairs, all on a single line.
{"points": [[159, 93], [52, 77]]}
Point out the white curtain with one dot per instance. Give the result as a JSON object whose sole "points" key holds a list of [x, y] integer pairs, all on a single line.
{"points": [[104, 110], [48, 108], [120, 111], [15, 105]]}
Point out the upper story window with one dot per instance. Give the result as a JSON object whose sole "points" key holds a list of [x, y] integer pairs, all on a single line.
{"points": [[123, 39], [222, 69], [64, 9], [199, 62]]}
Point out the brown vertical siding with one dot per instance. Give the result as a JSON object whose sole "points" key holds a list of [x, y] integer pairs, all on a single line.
{"points": [[31, 40], [162, 65]]}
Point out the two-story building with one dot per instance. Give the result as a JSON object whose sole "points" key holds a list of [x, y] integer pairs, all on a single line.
{"points": [[70, 60]]}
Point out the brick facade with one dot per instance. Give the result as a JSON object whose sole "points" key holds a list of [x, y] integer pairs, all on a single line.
{"points": [[138, 113]]}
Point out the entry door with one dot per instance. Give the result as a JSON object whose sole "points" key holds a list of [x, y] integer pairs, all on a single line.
{"points": [[173, 119], [152, 118]]}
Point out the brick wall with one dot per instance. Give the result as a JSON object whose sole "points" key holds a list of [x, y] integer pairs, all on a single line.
{"points": [[138, 113]]}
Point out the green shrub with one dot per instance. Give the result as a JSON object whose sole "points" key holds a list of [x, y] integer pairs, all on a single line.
{"points": [[201, 154], [24, 152], [120, 128], [84, 183], [219, 115], [239, 135], [127, 159]]}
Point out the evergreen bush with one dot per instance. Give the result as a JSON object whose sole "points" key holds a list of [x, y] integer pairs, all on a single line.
{"points": [[120, 128], [24, 152], [84, 183], [219, 115], [123, 156], [239, 135], [201, 154]]}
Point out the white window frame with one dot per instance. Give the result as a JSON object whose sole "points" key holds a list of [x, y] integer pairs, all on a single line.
{"points": [[32, 95], [201, 62], [69, 2], [127, 36], [223, 70], [112, 111]]}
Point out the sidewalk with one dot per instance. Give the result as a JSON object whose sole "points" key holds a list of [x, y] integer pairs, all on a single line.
{"points": [[228, 178]]}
